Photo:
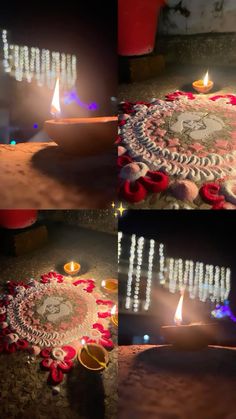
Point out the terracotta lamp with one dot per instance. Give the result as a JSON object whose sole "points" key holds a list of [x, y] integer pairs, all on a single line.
{"points": [[193, 336], [110, 285], [94, 357], [72, 268], [81, 136], [203, 86], [19, 218]]}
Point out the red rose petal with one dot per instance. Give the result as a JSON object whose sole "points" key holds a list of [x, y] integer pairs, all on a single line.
{"points": [[56, 376], [45, 353], [71, 352], [123, 160], [65, 366], [133, 192], [209, 193], [155, 181]]}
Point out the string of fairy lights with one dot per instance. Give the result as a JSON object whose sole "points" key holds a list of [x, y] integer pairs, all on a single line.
{"points": [[39, 65], [148, 266]]}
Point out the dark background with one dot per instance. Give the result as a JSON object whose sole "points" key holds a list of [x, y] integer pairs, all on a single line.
{"points": [[205, 236], [87, 29]]}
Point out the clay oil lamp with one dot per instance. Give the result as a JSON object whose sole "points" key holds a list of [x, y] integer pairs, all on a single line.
{"points": [[92, 356], [191, 336], [114, 316], [80, 136], [72, 268], [203, 86], [110, 285]]}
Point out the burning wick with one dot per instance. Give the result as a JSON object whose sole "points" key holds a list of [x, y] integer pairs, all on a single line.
{"points": [[55, 105]]}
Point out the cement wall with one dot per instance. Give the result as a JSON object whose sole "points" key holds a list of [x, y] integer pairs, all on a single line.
{"points": [[184, 17]]}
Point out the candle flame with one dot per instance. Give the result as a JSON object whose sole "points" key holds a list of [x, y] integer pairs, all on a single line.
{"points": [[72, 266], [55, 106], [206, 79], [113, 310], [178, 314], [103, 283]]}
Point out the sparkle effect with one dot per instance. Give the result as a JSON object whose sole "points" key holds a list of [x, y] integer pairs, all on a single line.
{"points": [[118, 209]]}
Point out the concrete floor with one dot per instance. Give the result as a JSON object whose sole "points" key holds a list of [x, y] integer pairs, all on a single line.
{"points": [[23, 388], [40, 175], [157, 382]]}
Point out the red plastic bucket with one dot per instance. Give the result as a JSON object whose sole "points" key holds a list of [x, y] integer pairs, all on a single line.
{"points": [[137, 26], [19, 218]]}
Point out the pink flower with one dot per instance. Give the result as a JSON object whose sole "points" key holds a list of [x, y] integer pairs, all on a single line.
{"points": [[46, 278], [57, 361]]}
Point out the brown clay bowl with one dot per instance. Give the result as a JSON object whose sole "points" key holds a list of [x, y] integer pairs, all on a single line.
{"points": [[83, 136], [200, 88], [96, 350], [189, 337]]}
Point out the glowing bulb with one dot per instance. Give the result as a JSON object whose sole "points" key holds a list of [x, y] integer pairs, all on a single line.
{"points": [[55, 106], [178, 314], [206, 79]]}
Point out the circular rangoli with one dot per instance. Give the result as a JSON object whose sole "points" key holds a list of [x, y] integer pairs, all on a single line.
{"points": [[186, 137], [53, 317]]}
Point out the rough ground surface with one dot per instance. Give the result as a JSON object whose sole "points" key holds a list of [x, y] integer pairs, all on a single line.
{"points": [[40, 175], [179, 77], [23, 389], [156, 382]]}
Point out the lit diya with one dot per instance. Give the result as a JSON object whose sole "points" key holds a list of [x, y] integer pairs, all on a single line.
{"points": [[92, 356], [114, 316], [189, 337], [203, 86], [110, 285], [81, 136], [72, 268]]}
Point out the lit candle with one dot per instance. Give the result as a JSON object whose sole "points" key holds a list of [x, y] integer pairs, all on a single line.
{"points": [[82, 136], [203, 86], [110, 285], [114, 316], [72, 268], [93, 356], [187, 336]]}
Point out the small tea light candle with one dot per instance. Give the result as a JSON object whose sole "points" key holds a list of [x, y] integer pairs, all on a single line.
{"points": [[110, 285], [72, 268], [92, 356], [203, 86], [114, 316]]}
